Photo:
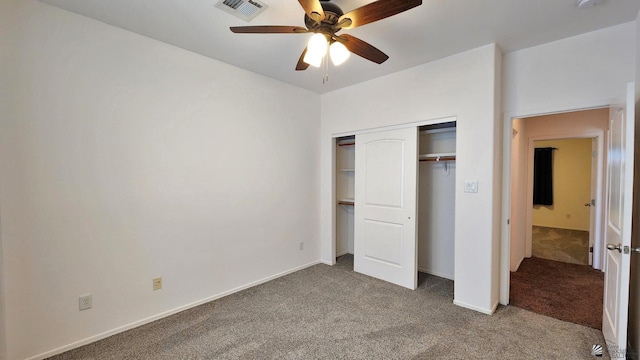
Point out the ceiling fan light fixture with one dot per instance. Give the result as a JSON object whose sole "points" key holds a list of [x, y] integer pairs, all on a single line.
{"points": [[325, 19], [316, 49], [339, 53]]}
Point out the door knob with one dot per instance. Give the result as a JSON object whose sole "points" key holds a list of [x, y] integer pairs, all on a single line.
{"points": [[587, 204], [614, 247]]}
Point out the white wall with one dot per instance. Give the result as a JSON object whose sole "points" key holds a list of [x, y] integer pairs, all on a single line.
{"points": [[637, 58], [124, 159], [436, 215], [6, 22], [583, 71], [464, 86]]}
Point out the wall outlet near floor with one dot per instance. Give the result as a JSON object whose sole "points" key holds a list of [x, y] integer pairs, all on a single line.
{"points": [[301, 245], [157, 283], [85, 302]]}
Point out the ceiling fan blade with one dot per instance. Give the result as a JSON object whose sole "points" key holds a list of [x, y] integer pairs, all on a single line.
{"points": [[375, 11], [362, 48], [301, 64], [313, 8], [268, 29]]}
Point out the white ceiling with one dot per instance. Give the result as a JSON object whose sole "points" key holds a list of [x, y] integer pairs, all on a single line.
{"points": [[433, 30]]}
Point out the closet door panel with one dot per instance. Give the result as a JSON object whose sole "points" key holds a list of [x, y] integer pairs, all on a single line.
{"points": [[383, 242], [384, 174]]}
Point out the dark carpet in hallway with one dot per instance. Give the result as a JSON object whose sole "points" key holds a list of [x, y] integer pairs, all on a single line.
{"points": [[568, 292]]}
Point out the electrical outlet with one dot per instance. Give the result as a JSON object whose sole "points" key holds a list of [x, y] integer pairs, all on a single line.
{"points": [[301, 245], [157, 283], [85, 302]]}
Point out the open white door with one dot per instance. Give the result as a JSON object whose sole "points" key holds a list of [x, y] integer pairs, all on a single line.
{"points": [[385, 206], [618, 225]]}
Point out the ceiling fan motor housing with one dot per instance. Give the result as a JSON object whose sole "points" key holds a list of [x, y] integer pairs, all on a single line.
{"points": [[332, 13]]}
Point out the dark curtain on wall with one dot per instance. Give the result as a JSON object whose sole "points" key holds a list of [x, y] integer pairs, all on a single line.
{"points": [[543, 176]]}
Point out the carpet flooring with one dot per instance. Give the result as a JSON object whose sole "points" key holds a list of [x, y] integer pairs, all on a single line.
{"points": [[331, 312], [571, 246], [568, 292]]}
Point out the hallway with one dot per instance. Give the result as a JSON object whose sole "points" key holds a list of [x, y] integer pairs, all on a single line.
{"points": [[564, 291]]}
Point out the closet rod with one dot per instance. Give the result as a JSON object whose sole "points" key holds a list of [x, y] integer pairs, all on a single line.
{"points": [[346, 143], [440, 158]]}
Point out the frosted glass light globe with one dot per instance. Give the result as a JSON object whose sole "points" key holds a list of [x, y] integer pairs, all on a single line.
{"points": [[316, 49], [338, 53]]}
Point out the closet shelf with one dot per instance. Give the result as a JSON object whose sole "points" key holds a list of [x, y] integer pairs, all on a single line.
{"points": [[437, 157], [346, 202], [347, 143]]}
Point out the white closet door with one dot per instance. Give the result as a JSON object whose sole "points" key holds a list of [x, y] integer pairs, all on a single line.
{"points": [[385, 206]]}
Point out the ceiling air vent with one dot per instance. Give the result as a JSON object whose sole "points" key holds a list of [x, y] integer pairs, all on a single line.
{"points": [[243, 9]]}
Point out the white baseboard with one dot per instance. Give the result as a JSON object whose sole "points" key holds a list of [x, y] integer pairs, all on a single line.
{"points": [[343, 253], [438, 274], [561, 227], [149, 319], [519, 263], [476, 308]]}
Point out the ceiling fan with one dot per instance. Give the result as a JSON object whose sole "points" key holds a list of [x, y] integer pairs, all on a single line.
{"points": [[326, 19]]}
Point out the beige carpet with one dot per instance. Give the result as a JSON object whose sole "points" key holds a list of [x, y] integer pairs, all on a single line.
{"points": [[570, 246], [326, 312]]}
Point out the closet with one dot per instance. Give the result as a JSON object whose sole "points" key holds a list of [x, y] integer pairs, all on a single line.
{"points": [[391, 232], [345, 193], [436, 199]]}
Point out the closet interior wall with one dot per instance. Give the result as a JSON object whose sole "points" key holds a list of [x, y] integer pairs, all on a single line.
{"points": [[436, 201]]}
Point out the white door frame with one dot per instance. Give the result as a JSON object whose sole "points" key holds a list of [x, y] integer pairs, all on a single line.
{"points": [[596, 175], [505, 248]]}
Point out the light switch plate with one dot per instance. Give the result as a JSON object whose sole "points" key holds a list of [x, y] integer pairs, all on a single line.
{"points": [[471, 186]]}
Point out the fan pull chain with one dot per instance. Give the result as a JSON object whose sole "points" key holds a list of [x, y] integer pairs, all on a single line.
{"points": [[325, 65]]}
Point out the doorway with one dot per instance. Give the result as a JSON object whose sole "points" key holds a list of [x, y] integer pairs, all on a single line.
{"points": [[562, 198], [554, 238]]}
